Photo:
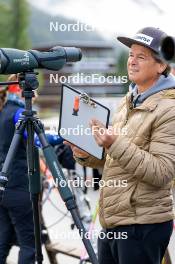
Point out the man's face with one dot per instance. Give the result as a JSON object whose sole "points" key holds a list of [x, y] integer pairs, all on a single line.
{"points": [[142, 67]]}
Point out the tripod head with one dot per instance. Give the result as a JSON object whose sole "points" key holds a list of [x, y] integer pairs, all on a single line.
{"points": [[28, 83]]}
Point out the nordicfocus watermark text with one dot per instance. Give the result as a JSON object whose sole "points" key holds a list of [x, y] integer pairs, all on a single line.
{"points": [[82, 78], [88, 235], [81, 183], [80, 130], [75, 27]]}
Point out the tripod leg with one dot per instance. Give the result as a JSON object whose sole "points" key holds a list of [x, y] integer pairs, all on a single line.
{"points": [[34, 187], [35, 190], [65, 192]]}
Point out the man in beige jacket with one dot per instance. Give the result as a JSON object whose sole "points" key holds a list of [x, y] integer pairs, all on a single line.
{"points": [[137, 217]]}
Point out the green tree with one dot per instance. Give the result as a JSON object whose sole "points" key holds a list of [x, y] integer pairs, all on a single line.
{"points": [[5, 25], [14, 16], [122, 67], [20, 17]]}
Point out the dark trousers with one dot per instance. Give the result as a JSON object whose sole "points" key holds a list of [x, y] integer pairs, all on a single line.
{"points": [[134, 244], [16, 218]]}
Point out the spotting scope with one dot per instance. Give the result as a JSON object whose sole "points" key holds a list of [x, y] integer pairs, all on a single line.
{"points": [[16, 61]]}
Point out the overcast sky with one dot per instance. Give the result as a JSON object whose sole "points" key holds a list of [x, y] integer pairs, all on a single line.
{"points": [[115, 17]]}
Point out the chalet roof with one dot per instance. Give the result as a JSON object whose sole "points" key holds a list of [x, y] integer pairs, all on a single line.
{"points": [[80, 44]]}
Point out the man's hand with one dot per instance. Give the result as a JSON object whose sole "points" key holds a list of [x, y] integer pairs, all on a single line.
{"points": [[104, 137], [76, 151]]}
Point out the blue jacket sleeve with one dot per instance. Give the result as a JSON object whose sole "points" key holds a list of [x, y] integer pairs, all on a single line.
{"points": [[16, 117], [52, 139]]}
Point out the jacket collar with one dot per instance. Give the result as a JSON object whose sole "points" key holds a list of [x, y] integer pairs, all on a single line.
{"points": [[148, 105]]}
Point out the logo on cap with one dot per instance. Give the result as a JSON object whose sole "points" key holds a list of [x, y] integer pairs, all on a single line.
{"points": [[144, 39]]}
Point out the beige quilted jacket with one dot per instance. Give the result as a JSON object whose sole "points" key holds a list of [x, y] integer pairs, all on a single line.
{"points": [[140, 163]]}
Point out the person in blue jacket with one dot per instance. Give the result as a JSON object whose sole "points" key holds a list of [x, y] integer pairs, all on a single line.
{"points": [[16, 214]]}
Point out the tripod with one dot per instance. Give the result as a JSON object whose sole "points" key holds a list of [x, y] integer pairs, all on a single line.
{"points": [[30, 123]]}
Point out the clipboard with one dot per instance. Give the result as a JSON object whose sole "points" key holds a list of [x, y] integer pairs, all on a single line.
{"points": [[76, 110]]}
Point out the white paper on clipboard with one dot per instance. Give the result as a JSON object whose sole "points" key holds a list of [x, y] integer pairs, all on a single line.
{"points": [[75, 128]]}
